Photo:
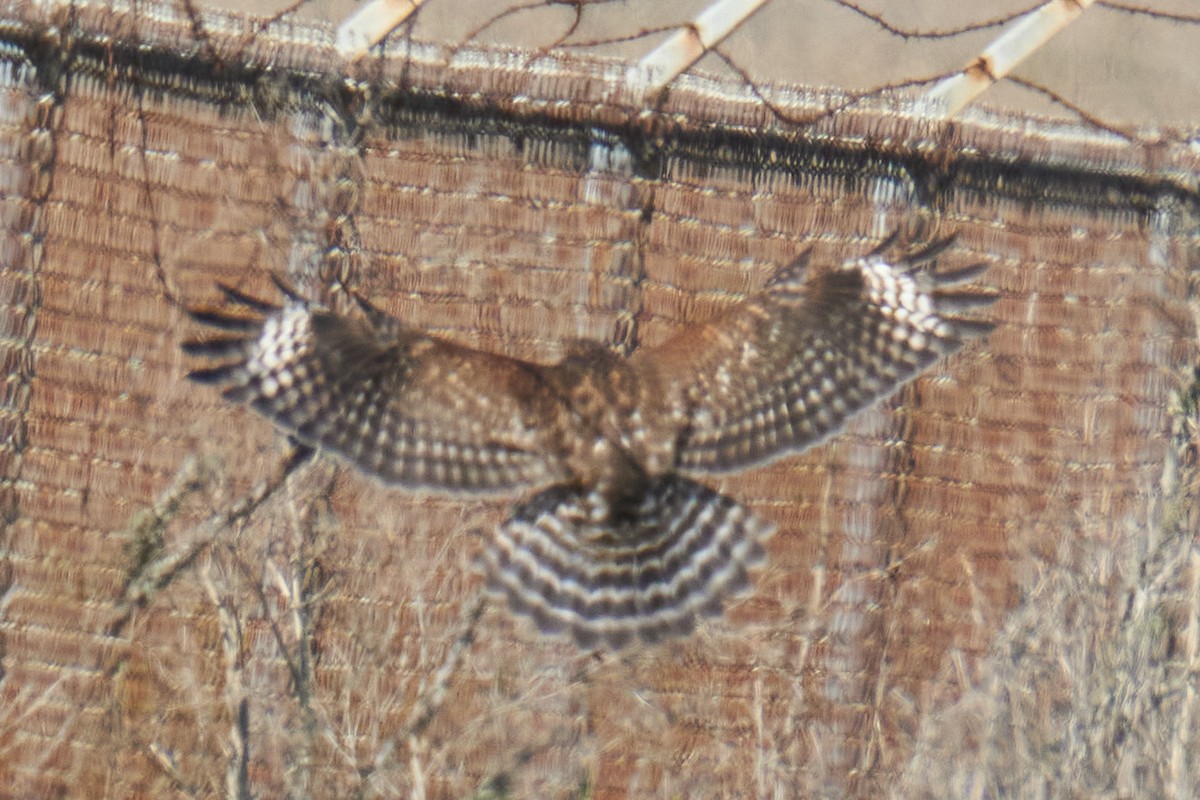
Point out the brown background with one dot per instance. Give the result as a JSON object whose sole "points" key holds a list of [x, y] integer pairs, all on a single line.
{"points": [[985, 587]]}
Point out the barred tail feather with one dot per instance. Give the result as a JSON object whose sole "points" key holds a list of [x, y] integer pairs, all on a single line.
{"points": [[565, 561]]}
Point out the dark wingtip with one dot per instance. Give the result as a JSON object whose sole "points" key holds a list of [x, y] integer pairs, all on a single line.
{"points": [[362, 302], [240, 298], [213, 375], [226, 322], [885, 245], [931, 250], [967, 274], [972, 328], [793, 271], [373, 312], [287, 289], [215, 348], [243, 327]]}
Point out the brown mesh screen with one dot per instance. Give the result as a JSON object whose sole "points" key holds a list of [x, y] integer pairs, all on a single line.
{"points": [[987, 569]]}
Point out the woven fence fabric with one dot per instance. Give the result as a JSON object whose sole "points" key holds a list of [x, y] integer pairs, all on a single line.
{"points": [[1003, 546]]}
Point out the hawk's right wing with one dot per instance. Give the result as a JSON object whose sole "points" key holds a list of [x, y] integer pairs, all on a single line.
{"points": [[787, 367], [403, 406]]}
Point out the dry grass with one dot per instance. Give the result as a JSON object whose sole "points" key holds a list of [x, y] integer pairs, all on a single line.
{"points": [[1090, 688]]}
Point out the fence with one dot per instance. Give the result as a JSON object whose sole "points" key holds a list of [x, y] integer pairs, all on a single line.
{"points": [[984, 587]]}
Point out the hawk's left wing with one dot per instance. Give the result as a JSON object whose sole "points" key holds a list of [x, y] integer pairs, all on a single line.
{"points": [[788, 366], [408, 408]]}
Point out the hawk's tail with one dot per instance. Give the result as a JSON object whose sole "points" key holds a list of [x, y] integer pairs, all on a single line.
{"points": [[563, 560]]}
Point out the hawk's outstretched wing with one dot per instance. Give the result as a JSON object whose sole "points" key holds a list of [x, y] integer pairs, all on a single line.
{"points": [[408, 408], [788, 366]]}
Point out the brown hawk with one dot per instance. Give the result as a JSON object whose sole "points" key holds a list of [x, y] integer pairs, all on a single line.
{"points": [[615, 541]]}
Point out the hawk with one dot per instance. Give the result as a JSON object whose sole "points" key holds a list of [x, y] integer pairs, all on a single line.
{"points": [[612, 537]]}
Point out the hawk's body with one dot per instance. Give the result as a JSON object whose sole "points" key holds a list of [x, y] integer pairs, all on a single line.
{"points": [[617, 542]]}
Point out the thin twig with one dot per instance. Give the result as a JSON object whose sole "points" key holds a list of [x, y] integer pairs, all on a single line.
{"points": [[155, 574]]}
